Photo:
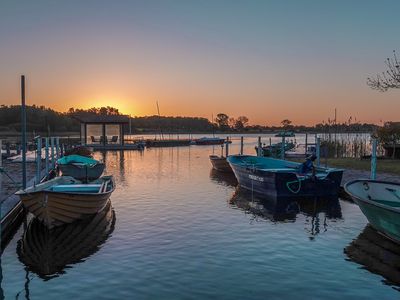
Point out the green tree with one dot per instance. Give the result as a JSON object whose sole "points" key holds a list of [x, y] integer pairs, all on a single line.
{"points": [[389, 134], [223, 121]]}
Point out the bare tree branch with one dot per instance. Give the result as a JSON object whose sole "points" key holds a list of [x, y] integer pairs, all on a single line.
{"points": [[390, 79]]}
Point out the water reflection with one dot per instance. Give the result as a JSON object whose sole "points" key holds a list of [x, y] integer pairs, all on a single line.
{"points": [[225, 179], [47, 252], [317, 211], [377, 254]]}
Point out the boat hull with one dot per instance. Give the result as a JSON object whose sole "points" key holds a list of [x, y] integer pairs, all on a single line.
{"points": [[55, 208], [373, 198], [282, 184], [82, 172], [220, 164]]}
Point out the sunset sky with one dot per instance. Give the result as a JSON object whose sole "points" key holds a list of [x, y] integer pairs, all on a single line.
{"points": [[267, 60]]}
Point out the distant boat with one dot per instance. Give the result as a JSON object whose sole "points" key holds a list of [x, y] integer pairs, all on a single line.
{"points": [[209, 141], [47, 252], [285, 134], [219, 163], [65, 199], [300, 151], [380, 203], [275, 178], [275, 150], [80, 167]]}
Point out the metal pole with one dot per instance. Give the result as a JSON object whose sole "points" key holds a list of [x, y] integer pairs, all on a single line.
{"points": [[373, 159], [259, 148], [46, 144], [52, 152], [318, 152], [241, 145], [227, 147], [283, 147], [23, 131], [38, 158]]}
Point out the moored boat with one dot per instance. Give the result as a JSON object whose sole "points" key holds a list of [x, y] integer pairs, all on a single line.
{"points": [[285, 134], [380, 203], [277, 178], [275, 150], [65, 199], [219, 163], [209, 141], [80, 167]]}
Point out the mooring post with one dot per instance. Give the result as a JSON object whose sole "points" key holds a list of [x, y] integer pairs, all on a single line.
{"points": [[227, 147], [259, 148], [23, 131], [283, 147], [305, 151], [38, 158], [57, 148], [241, 145], [46, 145], [318, 151], [52, 152], [373, 159], [270, 141]]}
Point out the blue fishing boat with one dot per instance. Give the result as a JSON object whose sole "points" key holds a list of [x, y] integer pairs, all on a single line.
{"points": [[275, 178], [380, 203], [80, 167]]}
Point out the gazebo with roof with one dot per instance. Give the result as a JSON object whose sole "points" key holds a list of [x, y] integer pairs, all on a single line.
{"points": [[102, 131]]}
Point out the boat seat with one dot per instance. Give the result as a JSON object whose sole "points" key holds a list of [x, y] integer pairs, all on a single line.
{"points": [[75, 188]]}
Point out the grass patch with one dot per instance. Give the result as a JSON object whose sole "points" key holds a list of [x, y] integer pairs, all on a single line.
{"points": [[383, 165]]}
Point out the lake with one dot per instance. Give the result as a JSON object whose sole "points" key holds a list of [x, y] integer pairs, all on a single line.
{"points": [[179, 230]]}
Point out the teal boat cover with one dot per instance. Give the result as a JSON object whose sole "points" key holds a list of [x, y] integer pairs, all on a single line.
{"points": [[77, 159]]}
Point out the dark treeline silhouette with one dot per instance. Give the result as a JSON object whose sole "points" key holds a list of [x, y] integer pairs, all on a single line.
{"points": [[45, 120], [39, 119]]}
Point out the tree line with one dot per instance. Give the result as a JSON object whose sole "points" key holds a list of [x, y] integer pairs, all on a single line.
{"points": [[42, 119]]}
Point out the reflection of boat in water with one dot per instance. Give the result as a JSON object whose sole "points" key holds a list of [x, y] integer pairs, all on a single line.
{"points": [[378, 254], [226, 179], [48, 251], [286, 209]]}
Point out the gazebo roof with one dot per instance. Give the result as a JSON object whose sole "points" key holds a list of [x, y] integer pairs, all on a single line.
{"points": [[102, 119]]}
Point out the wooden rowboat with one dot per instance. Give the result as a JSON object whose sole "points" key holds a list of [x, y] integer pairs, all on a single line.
{"points": [[219, 163], [65, 199], [47, 252], [380, 203]]}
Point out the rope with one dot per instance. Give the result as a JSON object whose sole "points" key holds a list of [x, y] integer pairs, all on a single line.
{"points": [[294, 181]]}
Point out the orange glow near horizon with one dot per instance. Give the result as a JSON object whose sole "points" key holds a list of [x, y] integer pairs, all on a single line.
{"points": [[265, 60]]}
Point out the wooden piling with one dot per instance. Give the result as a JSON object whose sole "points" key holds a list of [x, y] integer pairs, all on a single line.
{"points": [[373, 159], [241, 145]]}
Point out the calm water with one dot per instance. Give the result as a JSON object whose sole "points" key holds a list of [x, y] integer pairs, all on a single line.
{"points": [[182, 231]]}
